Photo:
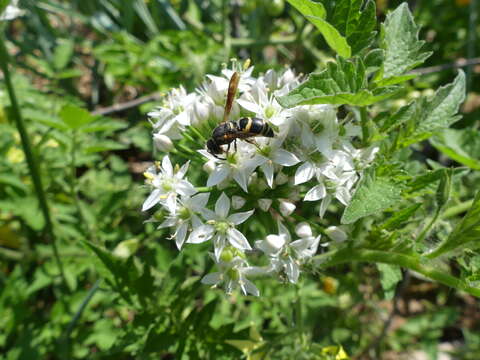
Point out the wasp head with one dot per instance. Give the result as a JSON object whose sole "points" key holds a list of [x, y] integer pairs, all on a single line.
{"points": [[213, 148]]}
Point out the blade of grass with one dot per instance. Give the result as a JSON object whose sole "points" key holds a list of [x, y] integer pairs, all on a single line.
{"points": [[27, 148]]}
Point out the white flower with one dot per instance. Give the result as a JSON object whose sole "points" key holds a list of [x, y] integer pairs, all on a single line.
{"points": [[286, 256], [186, 217], [263, 104], [167, 185], [12, 11], [269, 155], [238, 165], [233, 273], [177, 112], [221, 229]]}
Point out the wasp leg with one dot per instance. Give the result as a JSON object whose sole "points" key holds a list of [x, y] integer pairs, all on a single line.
{"points": [[235, 144], [253, 142]]}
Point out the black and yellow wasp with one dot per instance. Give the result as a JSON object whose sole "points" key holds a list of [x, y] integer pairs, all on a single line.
{"points": [[229, 131]]}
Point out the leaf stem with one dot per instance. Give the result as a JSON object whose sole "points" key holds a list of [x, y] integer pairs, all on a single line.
{"points": [[27, 148], [347, 255]]}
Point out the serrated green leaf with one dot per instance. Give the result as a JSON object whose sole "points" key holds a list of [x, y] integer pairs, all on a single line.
{"points": [[429, 116], [444, 187], [44, 118], [355, 23], [390, 275], [372, 196], [315, 13], [462, 146], [75, 117], [341, 83], [400, 42], [333, 38], [467, 231]]}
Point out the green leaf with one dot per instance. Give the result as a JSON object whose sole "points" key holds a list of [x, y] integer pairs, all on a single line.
{"points": [[309, 8], [104, 145], [444, 188], [429, 116], [371, 197], [400, 42], [462, 146], [400, 217], [390, 275], [467, 231], [63, 53], [315, 13], [355, 24], [75, 117], [341, 83]]}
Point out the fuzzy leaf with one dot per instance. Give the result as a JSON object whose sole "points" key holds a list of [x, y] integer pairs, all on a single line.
{"points": [[372, 196], [315, 13], [400, 42], [390, 275], [462, 146], [429, 116], [340, 83], [355, 24], [467, 231]]}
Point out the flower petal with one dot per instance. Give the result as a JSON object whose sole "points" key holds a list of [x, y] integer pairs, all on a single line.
{"points": [[285, 158], [181, 234], [304, 173], [239, 218], [201, 234], [152, 200], [238, 240], [212, 278], [241, 178], [167, 166], [316, 193], [218, 175], [248, 287], [222, 206], [267, 169]]}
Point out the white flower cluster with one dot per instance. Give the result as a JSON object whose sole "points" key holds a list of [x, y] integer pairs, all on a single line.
{"points": [[311, 156]]}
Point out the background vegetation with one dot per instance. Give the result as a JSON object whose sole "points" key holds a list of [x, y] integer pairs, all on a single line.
{"points": [[96, 282]]}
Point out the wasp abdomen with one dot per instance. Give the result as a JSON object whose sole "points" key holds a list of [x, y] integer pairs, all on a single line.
{"points": [[255, 127]]}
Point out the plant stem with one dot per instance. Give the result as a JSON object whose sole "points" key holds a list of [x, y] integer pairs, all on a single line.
{"points": [[427, 228], [457, 209], [347, 255], [365, 126], [27, 148]]}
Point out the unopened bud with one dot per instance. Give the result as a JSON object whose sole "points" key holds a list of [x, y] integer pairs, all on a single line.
{"points": [[163, 142], [238, 202], [286, 207], [209, 166], [264, 204], [281, 178], [126, 248], [201, 112], [303, 230], [336, 234]]}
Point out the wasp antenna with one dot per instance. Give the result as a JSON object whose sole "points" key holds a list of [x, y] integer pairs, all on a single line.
{"points": [[232, 90]]}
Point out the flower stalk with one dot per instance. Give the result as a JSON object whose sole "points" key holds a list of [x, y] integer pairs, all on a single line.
{"points": [[29, 155]]}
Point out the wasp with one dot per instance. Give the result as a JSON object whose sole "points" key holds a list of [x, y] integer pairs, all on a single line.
{"points": [[229, 131]]}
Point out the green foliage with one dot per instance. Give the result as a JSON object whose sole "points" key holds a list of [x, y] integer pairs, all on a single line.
{"points": [[125, 292], [344, 82], [372, 196]]}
